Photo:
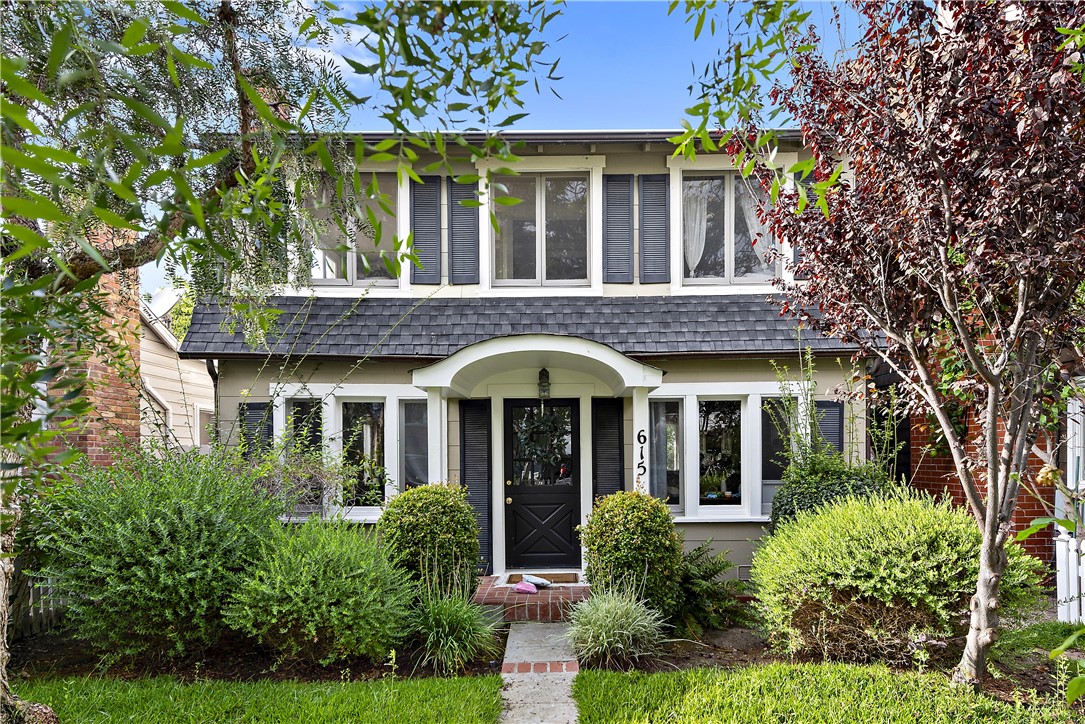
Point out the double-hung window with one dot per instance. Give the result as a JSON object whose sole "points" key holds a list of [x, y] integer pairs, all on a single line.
{"points": [[543, 239], [722, 238]]}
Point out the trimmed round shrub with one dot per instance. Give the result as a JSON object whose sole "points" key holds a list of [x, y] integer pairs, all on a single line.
{"points": [[630, 540], [454, 631], [615, 629], [822, 480], [433, 533], [147, 550], [877, 579], [324, 591]]}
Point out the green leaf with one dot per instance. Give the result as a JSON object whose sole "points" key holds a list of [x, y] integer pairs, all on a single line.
{"points": [[93, 253], [135, 32], [179, 10], [1075, 689], [1037, 525], [40, 208], [1068, 643], [208, 159], [507, 200]]}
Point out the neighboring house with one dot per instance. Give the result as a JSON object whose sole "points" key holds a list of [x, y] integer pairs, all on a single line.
{"points": [[615, 333], [177, 396]]}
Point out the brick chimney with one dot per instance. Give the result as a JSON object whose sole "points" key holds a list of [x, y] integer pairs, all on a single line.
{"points": [[114, 398]]}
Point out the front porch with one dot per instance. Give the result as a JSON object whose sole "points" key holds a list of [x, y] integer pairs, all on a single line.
{"points": [[549, 604]]}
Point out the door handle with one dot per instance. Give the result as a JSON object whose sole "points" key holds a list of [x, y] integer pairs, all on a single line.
{"points": [[508, 482], [508, 501]]}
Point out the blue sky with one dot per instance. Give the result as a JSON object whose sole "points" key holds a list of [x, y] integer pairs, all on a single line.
{"points": [[624, 65]]}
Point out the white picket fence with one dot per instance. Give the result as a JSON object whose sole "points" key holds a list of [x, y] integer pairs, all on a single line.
{"points": [[1069, 579]]}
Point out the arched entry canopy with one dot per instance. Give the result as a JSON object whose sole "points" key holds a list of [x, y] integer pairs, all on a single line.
{"points": [[464, 371]]}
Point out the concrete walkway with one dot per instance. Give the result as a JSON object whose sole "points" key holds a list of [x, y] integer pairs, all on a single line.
{"points": [[538, 669]]}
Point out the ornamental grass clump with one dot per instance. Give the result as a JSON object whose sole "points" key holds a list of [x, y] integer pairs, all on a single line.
{"points": [[615, 629], [324, 591], [453, 630], [877, 579], [434, 534], [630, 541]]}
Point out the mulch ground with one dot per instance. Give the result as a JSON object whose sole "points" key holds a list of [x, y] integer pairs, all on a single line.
{"points": [[234, 658], [240, 659]]}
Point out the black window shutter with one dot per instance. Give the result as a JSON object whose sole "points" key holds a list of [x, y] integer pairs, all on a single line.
{"points": [[655, 257], [462, 234], [830, 415], [426, 230], [254, 420], [773, 444], [607, 450], [618, 228], [475, 471]]}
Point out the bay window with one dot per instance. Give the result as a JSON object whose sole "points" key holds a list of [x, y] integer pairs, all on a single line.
{"points": [[543, 239], [722, 238]]}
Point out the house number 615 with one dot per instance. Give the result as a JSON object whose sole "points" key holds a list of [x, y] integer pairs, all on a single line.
{"points": [[642, 440]]}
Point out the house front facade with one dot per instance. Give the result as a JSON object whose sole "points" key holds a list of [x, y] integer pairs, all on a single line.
{"points": [[613, 331]]}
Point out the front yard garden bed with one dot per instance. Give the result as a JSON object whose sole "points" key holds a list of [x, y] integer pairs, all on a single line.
{"points": [[233, 659]]}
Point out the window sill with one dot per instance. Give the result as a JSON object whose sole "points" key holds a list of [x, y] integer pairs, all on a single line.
{"points": [[738, 518]]}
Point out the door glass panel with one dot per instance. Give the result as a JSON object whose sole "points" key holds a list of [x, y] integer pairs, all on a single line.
{"points": [[542, 445]]}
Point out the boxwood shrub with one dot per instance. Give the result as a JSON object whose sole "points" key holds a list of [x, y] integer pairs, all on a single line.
{"points": [[823, 478], [147, 550], [877, 579], [324, 591], [434, 534], [630, 540]]}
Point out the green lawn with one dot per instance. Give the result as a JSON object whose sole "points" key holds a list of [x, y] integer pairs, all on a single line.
{"points": [[794, 694], [83, 700]]}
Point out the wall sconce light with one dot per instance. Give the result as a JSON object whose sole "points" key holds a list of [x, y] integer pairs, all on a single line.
{"points": [[544, 384]]}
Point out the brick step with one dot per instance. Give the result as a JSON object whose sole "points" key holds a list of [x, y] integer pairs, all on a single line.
{"points": [[548, 605]]}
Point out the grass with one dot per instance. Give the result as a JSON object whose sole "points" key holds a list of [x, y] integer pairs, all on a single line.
{"points": [[798, 693], [150, 701], [1017, 648]]}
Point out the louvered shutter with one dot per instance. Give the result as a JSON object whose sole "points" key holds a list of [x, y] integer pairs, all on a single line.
{"points": [[618, 228], [655, 258], [462, 234], [475, 471], [607, 459], [254, 424], [831, 422], [426, 230]]}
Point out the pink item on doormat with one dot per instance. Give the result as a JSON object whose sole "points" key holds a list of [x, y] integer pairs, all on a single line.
{"points": [[525, 587]]}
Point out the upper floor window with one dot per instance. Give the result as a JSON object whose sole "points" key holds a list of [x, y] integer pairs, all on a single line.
{"points": [[722, 238], [544, 238], [334, 263]]}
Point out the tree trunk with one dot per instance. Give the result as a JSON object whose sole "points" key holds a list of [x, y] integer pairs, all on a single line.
{"points": [[8, 701], [984, 620]]}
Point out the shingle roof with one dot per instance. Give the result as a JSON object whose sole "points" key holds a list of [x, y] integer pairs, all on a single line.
{"points": [[734, 325]]}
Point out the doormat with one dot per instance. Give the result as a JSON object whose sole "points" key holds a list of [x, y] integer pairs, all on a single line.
{"points": [[515, 578]]}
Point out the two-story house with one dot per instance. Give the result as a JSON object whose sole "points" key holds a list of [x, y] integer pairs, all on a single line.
{"points": [[613, 331]]}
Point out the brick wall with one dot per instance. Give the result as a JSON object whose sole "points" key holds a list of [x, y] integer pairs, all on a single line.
{"points": [[937, 475], [114, 396]]}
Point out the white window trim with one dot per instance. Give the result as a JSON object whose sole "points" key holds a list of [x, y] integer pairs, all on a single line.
{"points": [[333, 396], [750, 395], [352, 286], [198, 408], [593, 165], [708, 164]]}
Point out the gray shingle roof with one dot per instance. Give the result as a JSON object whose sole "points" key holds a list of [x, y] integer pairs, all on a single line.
{"points": [[735, 325]]}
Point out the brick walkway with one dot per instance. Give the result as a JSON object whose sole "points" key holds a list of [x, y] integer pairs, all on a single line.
{"points": [[549, 604]]}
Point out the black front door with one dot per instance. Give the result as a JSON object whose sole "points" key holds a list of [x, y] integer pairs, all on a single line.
{"points": [[542, 483]]}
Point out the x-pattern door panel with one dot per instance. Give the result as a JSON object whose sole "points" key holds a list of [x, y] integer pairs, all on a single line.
{"points": [[542, 482]]}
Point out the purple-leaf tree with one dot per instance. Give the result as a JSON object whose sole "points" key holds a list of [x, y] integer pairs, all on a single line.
{"points": [[953, 244]]}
